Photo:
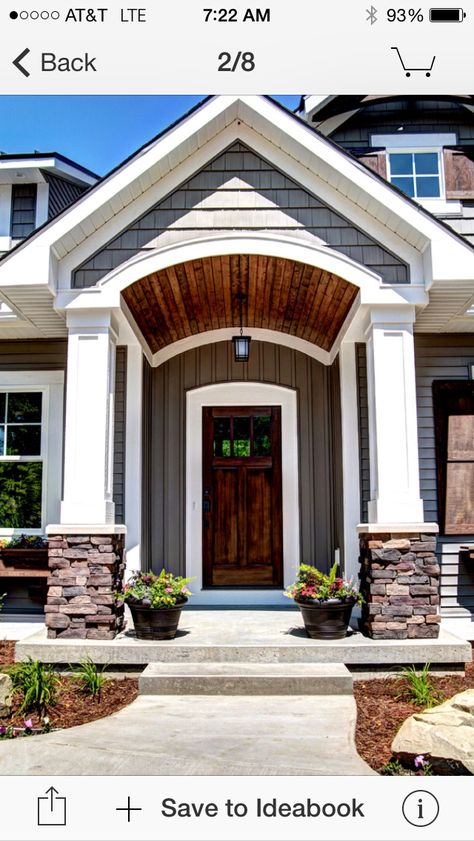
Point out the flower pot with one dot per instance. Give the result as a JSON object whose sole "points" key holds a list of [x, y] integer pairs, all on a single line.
{"points": [[156, 623], [326, 620]]}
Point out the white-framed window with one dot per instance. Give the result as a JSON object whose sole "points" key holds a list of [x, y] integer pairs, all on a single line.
{"points": [[415, 164], [30, 450], [418, 173]]}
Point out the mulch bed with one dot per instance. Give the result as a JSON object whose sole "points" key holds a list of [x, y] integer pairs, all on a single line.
{"points": [[380, 713], [7, 649], [73, 706]]}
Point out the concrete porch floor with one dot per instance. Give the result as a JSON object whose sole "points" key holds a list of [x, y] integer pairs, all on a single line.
{"points": [[249, 635]]}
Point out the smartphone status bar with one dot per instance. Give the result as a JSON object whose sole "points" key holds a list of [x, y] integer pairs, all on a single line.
{"points": [[190, 47]]}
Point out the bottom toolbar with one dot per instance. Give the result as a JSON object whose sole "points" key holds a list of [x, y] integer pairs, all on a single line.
{"points": [[194, 808]]}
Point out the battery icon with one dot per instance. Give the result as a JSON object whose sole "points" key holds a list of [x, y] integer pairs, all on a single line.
{"points": [[447, 15]]}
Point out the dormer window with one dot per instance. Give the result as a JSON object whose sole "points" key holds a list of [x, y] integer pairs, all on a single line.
{"points": [[418, 174], [23, 215], [415, 164]]}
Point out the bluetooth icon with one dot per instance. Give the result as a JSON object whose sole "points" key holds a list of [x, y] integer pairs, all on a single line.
{"points": [[372, 15]]}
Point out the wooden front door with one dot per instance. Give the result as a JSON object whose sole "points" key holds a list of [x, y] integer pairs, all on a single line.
{"points": [[242, 507]]}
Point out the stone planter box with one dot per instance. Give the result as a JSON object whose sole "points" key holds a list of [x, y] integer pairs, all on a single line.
{"points": [[399, 579]]}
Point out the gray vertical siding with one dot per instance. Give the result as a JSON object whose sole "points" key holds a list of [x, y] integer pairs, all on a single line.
{"points": [[442, 357], [164, 444], [62, 193], [239, 190], [437, 357], [363, 419], [119, 433]]}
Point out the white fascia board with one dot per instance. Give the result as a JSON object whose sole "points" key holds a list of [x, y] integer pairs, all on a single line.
{"points": [[34, 165], [31, 265]]}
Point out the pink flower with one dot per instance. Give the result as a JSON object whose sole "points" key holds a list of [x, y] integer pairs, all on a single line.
{"points": [[28, 723], [168, 589], [420, 761]]}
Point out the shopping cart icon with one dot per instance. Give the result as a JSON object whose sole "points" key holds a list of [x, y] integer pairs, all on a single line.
{"points": [[410, 70]]}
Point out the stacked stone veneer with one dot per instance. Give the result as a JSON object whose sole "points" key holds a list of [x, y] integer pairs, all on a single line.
{"points": [[86, 572], [400, 584]]}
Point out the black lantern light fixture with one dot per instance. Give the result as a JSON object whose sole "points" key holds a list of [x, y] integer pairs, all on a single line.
{"points": [[241, 343]]}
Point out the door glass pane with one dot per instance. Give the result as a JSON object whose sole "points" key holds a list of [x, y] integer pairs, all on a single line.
{"points": [[24, 407], [241, 437], [221, 442], [23, 440], [20, 495], [2, 440], [261, 435]]}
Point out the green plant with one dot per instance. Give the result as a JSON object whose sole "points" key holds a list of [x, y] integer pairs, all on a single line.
{"points": [[160, 591], [313, 586], [420, 689], [37, 682], [394, 768], [89, 677]]}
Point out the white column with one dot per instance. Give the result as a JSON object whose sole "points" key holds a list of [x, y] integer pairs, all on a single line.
{"points": [[133, 456], [88, 452], [350, 457], [394, 468]]}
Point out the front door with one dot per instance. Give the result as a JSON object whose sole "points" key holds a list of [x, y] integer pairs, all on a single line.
{"points": [[242, 508]]}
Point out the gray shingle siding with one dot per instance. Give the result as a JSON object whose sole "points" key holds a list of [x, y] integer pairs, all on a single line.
{"points": [[241, 191]]}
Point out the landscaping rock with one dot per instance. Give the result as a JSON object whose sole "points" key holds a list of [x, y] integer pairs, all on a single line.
{"points": [[6, 687], [445, 732]]}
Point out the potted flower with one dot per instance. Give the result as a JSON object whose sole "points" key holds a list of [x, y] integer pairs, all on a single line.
{"points": [[325, 601], [156, 602]]}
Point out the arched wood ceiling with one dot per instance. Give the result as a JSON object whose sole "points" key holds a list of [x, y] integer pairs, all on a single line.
{"points": [[200, 295]]}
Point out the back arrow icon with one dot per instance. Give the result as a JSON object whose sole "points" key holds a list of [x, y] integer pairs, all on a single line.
{"points": [[18, 59]]}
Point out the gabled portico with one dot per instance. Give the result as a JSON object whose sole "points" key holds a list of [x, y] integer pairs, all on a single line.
{"points": [[151, 261]]}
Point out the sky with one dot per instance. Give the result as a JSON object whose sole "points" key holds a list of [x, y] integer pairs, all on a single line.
{"points": [[97, 132]]}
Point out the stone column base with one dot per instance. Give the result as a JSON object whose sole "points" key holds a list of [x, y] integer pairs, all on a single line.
{"points": [[399, 579], [86, 570]]}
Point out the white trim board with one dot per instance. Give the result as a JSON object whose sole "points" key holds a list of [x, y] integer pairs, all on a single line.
{"points": [[405, 140], [241, 394]]}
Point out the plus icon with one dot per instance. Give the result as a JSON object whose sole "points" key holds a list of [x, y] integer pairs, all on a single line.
{"points": [[128, 809]]}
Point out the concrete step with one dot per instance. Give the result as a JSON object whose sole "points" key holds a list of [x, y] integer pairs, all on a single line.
{"points": [[190, 678]]}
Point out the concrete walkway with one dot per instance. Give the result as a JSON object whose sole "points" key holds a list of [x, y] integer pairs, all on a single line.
{"points": [[201, 735]]}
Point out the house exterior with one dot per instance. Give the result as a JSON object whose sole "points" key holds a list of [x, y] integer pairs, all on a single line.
{"points": [[340, 240]]}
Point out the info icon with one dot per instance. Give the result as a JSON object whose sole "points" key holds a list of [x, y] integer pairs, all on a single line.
{"points": [[420, 808]]}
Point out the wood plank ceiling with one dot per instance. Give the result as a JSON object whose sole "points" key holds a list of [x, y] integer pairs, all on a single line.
{"points": [[200, 295]]}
